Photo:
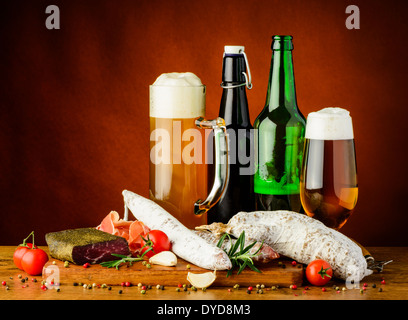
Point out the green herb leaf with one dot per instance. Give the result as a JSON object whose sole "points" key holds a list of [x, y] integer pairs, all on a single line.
{"points": [[239, 254]]}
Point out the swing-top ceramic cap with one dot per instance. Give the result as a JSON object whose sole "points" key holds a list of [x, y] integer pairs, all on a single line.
{"points": [[233, 49]]}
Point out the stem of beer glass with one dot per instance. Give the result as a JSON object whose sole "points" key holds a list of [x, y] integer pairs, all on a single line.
{"points": [[221, 163]]}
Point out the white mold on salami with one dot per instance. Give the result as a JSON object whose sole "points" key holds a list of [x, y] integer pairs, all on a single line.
{"points": [[185, 243], [303, 239]]}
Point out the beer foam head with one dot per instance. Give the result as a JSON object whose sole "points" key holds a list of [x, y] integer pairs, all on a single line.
{"points": [[177, 95], [329, 124]]}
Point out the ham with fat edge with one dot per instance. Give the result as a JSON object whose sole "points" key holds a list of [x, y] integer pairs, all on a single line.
{"points": [[132, 231]]}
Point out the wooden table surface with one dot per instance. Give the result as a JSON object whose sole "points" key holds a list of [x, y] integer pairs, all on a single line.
{"points": [[395, 275]]}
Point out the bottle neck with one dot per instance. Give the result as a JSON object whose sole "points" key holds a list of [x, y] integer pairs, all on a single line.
{"points": [[281, 87], [234, 104]]}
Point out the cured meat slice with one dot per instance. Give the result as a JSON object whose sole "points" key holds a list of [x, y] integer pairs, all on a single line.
{"points": [[132, 231], [84, 245]]}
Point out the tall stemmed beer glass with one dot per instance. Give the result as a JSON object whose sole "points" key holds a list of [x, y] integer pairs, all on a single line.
{"points": [[328, 185]]}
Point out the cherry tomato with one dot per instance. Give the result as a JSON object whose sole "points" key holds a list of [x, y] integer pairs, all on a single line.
{"points": [[19, 253], [33, 261], [157, 240], [319, 272]]}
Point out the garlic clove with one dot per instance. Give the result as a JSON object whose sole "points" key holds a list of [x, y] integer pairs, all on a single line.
{"points": [[164, 258], [201, 280]]}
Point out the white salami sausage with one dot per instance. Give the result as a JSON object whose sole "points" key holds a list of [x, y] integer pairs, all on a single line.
{"points": [[185, 243], [301, 238]]}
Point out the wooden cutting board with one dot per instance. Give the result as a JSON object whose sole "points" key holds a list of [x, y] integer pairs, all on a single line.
{"points": [[272, 274]]}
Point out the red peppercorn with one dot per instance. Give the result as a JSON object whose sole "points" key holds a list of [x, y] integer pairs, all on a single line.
{"points": [[250, 288], [382, 281], [180, 285], [294, 263], [294, 286], [86, 265], [127, 284], [143, 287], [365, 285], [122, 284], [3, 283], [324, 289]]}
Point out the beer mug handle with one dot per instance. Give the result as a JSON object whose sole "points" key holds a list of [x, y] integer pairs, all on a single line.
{"points": [[221, 163]]}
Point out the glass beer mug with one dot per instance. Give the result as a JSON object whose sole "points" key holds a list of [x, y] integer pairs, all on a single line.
{"points": [[178, 153], [328, 184]]}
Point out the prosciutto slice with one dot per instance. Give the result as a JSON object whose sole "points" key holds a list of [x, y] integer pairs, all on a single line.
{"points": [[132, 231]]}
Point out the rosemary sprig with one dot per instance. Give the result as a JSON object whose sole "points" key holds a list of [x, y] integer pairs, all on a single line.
{"points": [[239, 254], [124, 259]]}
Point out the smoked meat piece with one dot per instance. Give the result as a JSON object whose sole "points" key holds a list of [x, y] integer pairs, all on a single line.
{"points": [[84, 245]]}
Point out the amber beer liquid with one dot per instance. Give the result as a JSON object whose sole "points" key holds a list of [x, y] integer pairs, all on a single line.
{"points": [[177, 168], [328, 185]]}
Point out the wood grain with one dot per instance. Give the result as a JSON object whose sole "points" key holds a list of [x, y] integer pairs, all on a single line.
{"points": [[395, 275], [271, 274]]}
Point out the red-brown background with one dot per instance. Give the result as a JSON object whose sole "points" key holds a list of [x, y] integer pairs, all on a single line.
{"points": [[74, 101]]}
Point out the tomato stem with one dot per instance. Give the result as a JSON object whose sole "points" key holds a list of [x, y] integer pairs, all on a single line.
{"points": [[24, 244]]}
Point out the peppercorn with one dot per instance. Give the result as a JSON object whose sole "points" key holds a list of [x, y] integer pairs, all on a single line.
{"points": [[158, 287], [248, 291], [143, 291], [120, 291], [178, 289], [380, 290], [193, 288], [185, 289], [66, 264], [58, 289], [161, 287], [75, 284], [148, 266], [3, 283], [204, 289], [188, 266], [374, 285]]}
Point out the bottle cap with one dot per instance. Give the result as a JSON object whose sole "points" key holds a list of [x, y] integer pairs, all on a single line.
{"points": [[234, 49]]}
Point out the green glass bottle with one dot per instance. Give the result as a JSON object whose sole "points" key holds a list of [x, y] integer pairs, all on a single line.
{"points": [[279, 137]]}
